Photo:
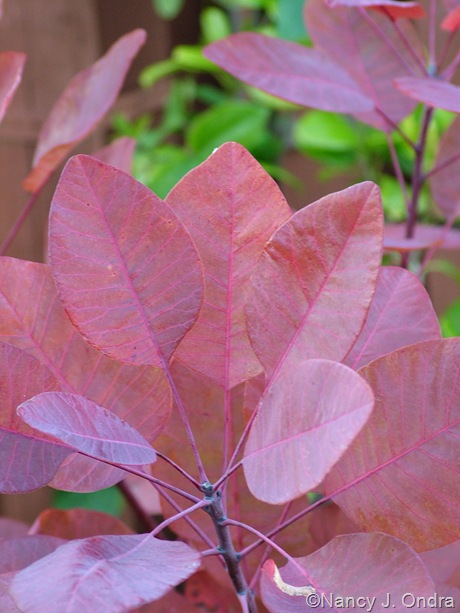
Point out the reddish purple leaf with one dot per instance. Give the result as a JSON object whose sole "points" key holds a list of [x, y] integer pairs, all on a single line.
{"points": [[313, 285], [303, 426], [393, 8], [86, 427], [19, 552], [11, 66], [12, 527], [7, 604], [106, 573], [444, 562], [119, 153], [86, 99], [401, 472], [366, 568], [424, 238], [398, 291], [290, 71], [140, 395], [126, 270], [445, 184], [26, 462], [431, 91], [230, 231], [347, 38]]}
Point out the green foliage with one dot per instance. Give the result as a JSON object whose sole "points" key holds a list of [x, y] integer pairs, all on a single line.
{"points": [[109, 501]]}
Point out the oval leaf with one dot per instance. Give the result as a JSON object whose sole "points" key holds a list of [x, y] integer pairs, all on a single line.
{"points": [[86, 427], [289, 71], [11, 67], [140, 395], [398, 291], [84, 102], [401, 472], [431, 91], [368, 569], [313, 285], [348, 39], [26, 461], [119, 153], [230, 231], [303, 426], [77, 523], [104, 573], [126, 270], [424, 238]]}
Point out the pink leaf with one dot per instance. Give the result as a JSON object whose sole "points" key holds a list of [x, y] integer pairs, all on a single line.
{"points": [[140, 395], [445, 184], [230, 231], [393, 8], [290, 71], [398, 291], [303, 426], [119, 153], [12, 527], [106, 573], [424, 238], [126, 269], [314, 283], [367, 568], [26, 463], [401, 472], [348, 39], [444, 562], [19, 552], [86, 99], [11, 66], [86, 427], [433, 92]]}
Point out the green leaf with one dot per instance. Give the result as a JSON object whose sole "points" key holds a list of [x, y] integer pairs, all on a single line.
{"points": [[394, 206], [232, 120], [215, 24], [289, 20], [317, 131], [450, 320], [153, 73], [190, 57], [168, 9], [109, 501]]}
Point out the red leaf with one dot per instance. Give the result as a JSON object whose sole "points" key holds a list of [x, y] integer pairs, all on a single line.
{"points": [[84, 102], [229, 231], [77, 524], [126, 270], [140, 395], [314, 283], [173, 602], [431, 91], [452, 21], [290, 71], [119, 153], [445, 184], [11, 66], [349, 41], [425, 237], [303, 426], [393, 8], [400, 473], [366, 568], [86, 427], [105, 573], [398, 291], [26, 463]]}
